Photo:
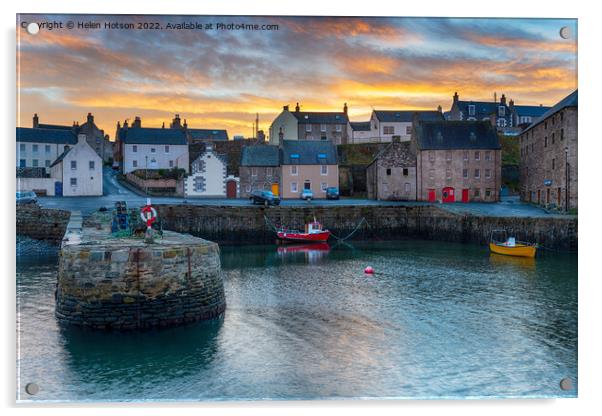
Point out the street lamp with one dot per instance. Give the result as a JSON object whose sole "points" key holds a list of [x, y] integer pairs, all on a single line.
{"points": [[566, 170]]}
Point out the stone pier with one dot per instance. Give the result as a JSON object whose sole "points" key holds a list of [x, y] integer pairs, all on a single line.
{"points": [[123, 283]]}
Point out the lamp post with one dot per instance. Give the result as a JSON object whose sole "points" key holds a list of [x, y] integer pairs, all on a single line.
{"points": [[566, 170], [146, 175]]}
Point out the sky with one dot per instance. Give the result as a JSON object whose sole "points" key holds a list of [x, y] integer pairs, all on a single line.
{"points": [[221, 77]]}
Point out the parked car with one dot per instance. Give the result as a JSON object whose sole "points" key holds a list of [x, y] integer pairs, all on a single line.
{"points": [[27, 197], [332, 192], [264, 197], [307, 194]]}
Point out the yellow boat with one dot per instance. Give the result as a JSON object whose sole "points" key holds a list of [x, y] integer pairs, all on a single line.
{"points": [[510, 246]]}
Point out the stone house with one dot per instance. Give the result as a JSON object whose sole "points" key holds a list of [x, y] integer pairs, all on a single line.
{"points": [[259, 169], [457, 161], [208, 177], [79, 170], [386, 124], [548, 157], [151, 148], [39, 147], [392, 173], [308, 164], [303, 125]]}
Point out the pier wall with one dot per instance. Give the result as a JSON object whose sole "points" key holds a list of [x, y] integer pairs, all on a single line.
{"points": [[41, 223], [234, 225]]}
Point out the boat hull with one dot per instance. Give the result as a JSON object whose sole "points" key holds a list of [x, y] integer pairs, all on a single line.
{"points": [[520, 250], [303, 237]]}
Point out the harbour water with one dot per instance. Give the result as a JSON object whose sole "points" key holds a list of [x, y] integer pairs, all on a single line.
{"points": [[436, 320]]}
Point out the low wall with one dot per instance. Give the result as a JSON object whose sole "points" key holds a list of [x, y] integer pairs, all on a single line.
{"points": [[41, 186], [233, 225], [41, 223], [157, 186]]}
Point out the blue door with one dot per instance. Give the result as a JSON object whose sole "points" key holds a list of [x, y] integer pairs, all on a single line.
{"points": [[58, 189]]}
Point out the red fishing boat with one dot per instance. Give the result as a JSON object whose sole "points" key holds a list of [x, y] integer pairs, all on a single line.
{"points": [[313, 233]]}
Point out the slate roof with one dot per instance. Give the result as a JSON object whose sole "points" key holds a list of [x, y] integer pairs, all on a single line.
{"points": [[61, 157], [571, 100], [360, 125], [208, 134], [304, 117], [308, 152], [38, 135], [54, 127], [260, 155], [531, 110], [406, 116], [150, 135], [482, 109], [389, 146], [456, 135]]}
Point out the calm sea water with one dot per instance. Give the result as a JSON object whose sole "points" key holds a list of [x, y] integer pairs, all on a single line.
{"points": [[436, 320]]}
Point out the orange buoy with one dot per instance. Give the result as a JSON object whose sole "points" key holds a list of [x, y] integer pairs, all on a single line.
{"points": [[369, 270]]}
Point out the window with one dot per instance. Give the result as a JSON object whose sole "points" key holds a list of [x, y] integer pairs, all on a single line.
{"points": [[388, 130], [34, 163], [408, 130], [553, 138], [253, 171], [448, 155], [477, 192], [339, 128], [323, 137], [47, 148], [323, 186], [388, 171], [477, 155], [406, 188], [466, 155], [293, 186], [135, 163], [294, 170], [501, 122], [488, 173], [488, 155], [471, 110], [22, 163], [553, 164], [269, 171], [171, 163], [545, 125], [465, 173], [153, 150], [448, 174], [91, 165], [502, 111], [73, 181], [73, 164], [323, 170], [134, 148], [34, 148], [487, 192], [308, 128], [477, 173], [47, 163], [561, 133], [323, 127], [405, 171], [545, 141], [22, 147], [167, 149]]}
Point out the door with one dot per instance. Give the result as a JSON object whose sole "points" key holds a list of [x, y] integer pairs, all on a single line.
{"points": [[275, 189], [548, 196], [58, 189], [448, 194], [307, 185], [231, 189], [465, 195], [432, 195]]}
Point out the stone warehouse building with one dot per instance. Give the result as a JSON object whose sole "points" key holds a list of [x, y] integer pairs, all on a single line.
{"points": [[392, 173], [548, 157], [457, 161], [259, 169], [303, 125]]}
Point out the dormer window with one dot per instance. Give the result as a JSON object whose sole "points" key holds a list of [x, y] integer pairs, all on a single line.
{"points": [[308, 128], [501, 111], [471, 109], [322, 127]]}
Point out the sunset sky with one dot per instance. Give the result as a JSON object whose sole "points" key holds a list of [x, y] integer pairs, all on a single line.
{"points": [[221, 78]]}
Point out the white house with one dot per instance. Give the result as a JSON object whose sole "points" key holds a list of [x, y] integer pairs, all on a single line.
{"points": [[384, 124], [360, 132], [209, 176], [153, 148], [39, 147], [79, 170]]}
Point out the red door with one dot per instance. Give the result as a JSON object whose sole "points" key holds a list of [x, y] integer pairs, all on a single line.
{"points": [[448, 194], [464, 195], [432, 195], [231, 189]]}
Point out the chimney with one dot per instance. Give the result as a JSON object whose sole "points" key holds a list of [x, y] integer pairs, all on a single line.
{"points": [[90, 118], [81, 138], [137, 122], [439, 109], [511, 104], [36, 121], [125, 124], [456, 98], [163, 126], [175, 123], [297, 108], [285, 107], [503, 99], [345, 108], [185, 124]]}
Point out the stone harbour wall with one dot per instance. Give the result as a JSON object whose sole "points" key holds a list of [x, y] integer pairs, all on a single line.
{"points": [[41, 223], [238, 225], [125, 284]]}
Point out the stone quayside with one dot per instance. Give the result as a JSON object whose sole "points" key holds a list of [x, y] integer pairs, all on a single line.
{"points": [[124, 283]]}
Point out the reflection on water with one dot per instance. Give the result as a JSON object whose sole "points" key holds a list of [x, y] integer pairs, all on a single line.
{"points": [[435, 320]]}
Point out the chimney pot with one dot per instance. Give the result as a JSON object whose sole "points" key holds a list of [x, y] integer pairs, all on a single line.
{"points": [[36, 121], [285, 107]]}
